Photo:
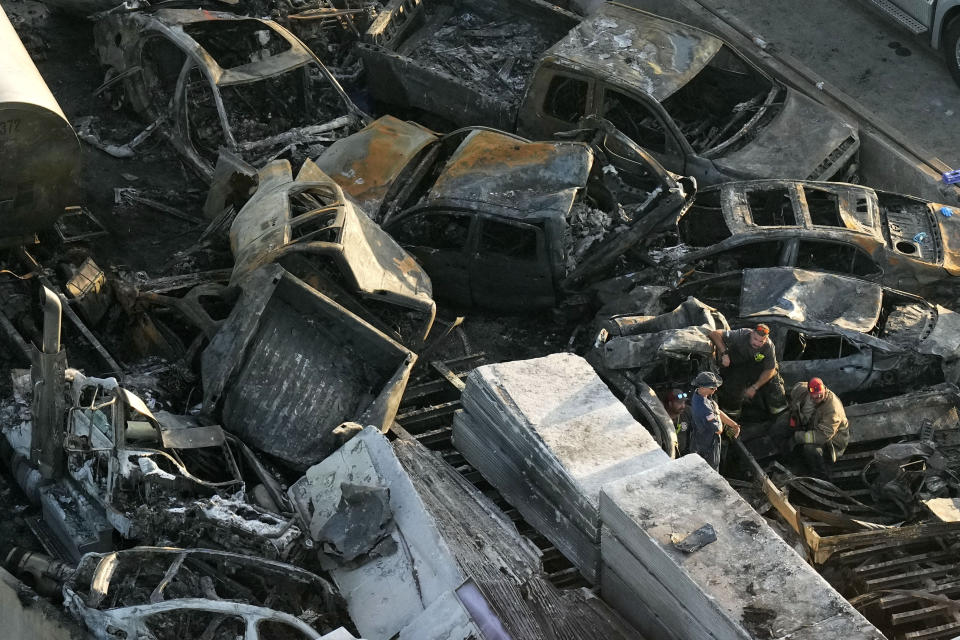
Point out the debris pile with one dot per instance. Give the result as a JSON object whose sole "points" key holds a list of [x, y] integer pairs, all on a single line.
{"points": [[207, 402], [484, 44]]}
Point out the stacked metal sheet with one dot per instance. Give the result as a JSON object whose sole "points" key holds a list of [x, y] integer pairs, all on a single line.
{"points": [[547, 433], [746, 583]]}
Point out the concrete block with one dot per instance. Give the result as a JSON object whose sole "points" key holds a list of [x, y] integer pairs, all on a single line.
{"points": [[548, 433], [386, 592], [749, 583], [625, 584]]}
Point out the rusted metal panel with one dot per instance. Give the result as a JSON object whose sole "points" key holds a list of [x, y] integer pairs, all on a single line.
{"points": [[535, 179], [802, 297], [368, 163]]}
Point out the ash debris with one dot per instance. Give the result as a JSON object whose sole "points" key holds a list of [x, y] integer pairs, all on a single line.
{"points": [[229, 388]]}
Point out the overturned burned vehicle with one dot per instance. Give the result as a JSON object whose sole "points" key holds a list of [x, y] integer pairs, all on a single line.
{"points": [[899, 241], [308, 226], [211, 80], [639, 356], [166, 593], [496, 220], [860, 338], [683, 94]]}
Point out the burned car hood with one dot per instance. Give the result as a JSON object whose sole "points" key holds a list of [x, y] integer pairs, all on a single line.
{"points": [[534, 179], [779, 151], [367, 163], [809, 297], [268, 228], [629, 352], [637, 48]]}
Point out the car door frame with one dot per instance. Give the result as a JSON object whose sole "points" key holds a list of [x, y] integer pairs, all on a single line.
{"points": [[673, 138], [530, 294], [439, 267]]}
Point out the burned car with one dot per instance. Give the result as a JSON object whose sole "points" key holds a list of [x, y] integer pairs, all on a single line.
{"points": [[640, 356], [213, 80], [683, 94], [311, 228], [859, 337], [165, 593], [899, 241], [496, 220]]}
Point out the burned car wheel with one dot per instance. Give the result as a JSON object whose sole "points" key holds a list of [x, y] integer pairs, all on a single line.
{"points": [[951, 48]]}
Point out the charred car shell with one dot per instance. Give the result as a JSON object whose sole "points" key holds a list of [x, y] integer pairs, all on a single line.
{"points": [[899, 241], [176, 66], [290, 365], [307, 223], [491, 216], [694, 101], [855, 335], [168, 593]]}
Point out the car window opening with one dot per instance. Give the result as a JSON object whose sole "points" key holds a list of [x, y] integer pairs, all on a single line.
{"points": [[772, 208], [824, 207], [566, 99], [798, 346], [238, 43], [635, 121], [435, 231], [838, 258], [508, 240], [718, 101]]}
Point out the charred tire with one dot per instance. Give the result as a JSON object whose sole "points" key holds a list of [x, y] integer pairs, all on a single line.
{"points": [[951, 48]]}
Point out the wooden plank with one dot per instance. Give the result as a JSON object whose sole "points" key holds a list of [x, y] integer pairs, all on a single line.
{"points": [[916, 615], [906, 560], [448, 374], [906, 578]]}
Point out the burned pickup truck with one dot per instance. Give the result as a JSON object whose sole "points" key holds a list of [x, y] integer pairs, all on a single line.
{"points": [[496, 220], [899, 241], [211, 80], [683, 94]]}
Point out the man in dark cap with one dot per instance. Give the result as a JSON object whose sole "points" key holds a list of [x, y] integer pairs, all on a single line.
{"points": [[708, 419], [748, 361], [675, 402]]}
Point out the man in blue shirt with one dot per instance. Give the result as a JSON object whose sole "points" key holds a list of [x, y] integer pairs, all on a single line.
{"points": [[708, 419]]}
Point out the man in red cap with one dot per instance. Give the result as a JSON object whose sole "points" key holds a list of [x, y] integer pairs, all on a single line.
{"points": [[818, 424], [748, 364]]}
